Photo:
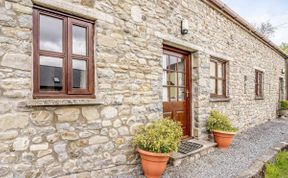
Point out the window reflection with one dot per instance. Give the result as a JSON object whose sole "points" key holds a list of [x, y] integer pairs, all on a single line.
{"points": [[79, 74], [51, 33], [79, 40], [51, 73]]}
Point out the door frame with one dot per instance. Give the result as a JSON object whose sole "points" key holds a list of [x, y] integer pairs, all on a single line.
{"points": [[188, 70]]}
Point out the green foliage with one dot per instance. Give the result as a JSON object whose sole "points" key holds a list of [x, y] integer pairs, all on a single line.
{"points": [[284, 104], [279, 169], [219, 121], [284, 47], [161, 136]]}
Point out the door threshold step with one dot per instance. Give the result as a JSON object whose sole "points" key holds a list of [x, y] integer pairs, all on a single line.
{"points": [[178, 158]]}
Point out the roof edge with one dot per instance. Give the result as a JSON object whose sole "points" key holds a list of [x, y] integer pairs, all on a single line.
{"points": [[247, 26]]}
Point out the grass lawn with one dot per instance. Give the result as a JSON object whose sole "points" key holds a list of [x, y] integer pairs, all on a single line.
{"points": [[279, 169]]}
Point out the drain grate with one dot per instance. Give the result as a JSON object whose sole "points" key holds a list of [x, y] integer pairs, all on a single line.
{"points": [[186, 147]]}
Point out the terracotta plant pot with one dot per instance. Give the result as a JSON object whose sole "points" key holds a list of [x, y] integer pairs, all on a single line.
{"points": [[223, 139], [153, 164]]}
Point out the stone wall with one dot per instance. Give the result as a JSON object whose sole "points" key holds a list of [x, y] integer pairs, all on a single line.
{"points": [[49, 138]]}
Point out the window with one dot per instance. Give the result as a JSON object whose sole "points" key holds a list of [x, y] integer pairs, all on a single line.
{"points": [[218, 78], [63, 55], [258, 84]]}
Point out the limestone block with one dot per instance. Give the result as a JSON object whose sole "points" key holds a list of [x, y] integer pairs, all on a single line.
{"points": [[17, 61], [106, 41], [67, 114], [98, 139], [8, 135], [106, 123], [69, 135], [44, 160], [13, 121], [39, 147], [53, 137], [91, 114], [136, 13], [15, 83], [117, 123], [21, 143], [41, 118], [25, 21], [109, 112], [123, 130]]}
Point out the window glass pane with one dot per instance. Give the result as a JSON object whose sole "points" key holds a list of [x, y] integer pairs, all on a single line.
{"points": [[181, 94], [172, 78], [173, 94], [164, 79], [79, 74], [165, 94], [181, 79], [51, 73], [173, 62], [212, 86], [181, 66], [220, 70], [79, 40], [51, 33], [212, 69], [220, 87]]}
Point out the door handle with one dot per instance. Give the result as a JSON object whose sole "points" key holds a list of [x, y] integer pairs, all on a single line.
{"points": [[187, 94]]}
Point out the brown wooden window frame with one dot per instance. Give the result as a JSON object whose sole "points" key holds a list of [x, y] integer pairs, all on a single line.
{"points": [[259, 84], [217, 78], [67, 81]]}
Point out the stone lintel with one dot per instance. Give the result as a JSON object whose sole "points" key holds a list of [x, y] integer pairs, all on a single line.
{"points": [[62, 102], [185, 45], [75, 9]]}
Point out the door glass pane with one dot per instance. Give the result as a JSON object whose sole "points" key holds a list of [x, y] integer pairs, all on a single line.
{"points": [[172, 79], [79, 40], [79, 74], [181, 94], [165, 94], [164, 78], [51, 73], [212, 69], [220, 70], [173, 94], [212, 86], [173, 62], [220, 87], [181, 79], [181, 65], [51, 33]]}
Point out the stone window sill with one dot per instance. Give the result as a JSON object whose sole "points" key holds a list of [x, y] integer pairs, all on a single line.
{"points": [[62, 102], [259, 98], [219, 99]]}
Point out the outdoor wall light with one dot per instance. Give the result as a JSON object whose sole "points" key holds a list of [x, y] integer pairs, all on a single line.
{"points": [[184, 27], [282, 71]]}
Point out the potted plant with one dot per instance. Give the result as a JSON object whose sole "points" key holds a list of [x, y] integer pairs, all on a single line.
{"points": [[221, 127], [283, 111], [155, 142]]}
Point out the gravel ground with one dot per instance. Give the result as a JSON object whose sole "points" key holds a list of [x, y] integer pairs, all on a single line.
{"points": [[246, 148]]}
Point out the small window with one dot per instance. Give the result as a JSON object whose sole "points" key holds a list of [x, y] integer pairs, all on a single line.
{"points": [[259, 84], [218, 78], [63, 55]]}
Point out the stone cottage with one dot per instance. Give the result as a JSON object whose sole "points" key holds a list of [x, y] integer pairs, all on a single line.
{"points": [[77, 77]]}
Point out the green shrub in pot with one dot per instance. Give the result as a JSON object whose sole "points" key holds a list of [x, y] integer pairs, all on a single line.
{"points": [[219, 121], [222, 129], [284, 104], [161, 136]]}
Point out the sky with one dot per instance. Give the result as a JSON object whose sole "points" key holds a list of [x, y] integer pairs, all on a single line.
{"points": [[257, 11]]}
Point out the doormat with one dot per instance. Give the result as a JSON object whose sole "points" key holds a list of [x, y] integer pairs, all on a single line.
{"points": [[186, 147]]}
